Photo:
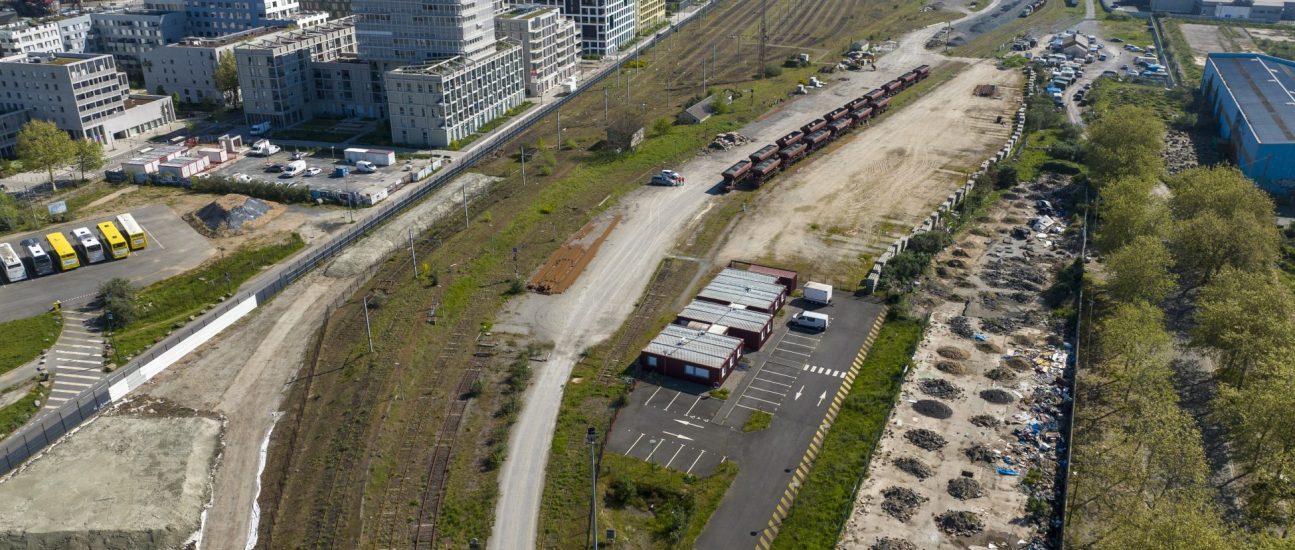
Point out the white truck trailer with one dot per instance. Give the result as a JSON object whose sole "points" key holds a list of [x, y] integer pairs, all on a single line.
{"points": [[818, 293], [379, 157]]}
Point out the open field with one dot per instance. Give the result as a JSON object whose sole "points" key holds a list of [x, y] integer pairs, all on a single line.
{"points": [[22, 340], [832, 217]]}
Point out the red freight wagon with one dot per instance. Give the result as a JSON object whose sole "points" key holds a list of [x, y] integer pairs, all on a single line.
{"points": [[818, 139], [736, 173], [862, 115], [814, 126], [841, 126], [765, 153], [836, 115], [908, 78], [791, 138], [923, 72], [893, 87], [789, 155], [765, 170], [881, 106], [875, 95], [857, 104]]}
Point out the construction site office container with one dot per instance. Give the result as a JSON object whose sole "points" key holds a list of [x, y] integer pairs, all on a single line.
{"points": [[737, 172], [786, 277], [214, 155], [765, 153], [140, 165], [185, 167], [763, 171], [818, 139], [814, 126], [790, 155], [753, 327], [791, 138], [836, 115], [694, 355], [379, 157], [767, 296]]}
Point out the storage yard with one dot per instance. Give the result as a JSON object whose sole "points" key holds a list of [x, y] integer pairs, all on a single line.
{"points": [[970, 456]]}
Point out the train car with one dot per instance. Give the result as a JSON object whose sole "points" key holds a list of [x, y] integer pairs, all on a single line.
{"points": [[893, 87], [857, 104], [761, 172], [862, 115], [818, 139], [923, 71], [836, 115], [736, 173], [793, 153], [875, 95], [765, 153], [841, 126], [881, 106], [908, 78], [790, 139], [814, 126]]}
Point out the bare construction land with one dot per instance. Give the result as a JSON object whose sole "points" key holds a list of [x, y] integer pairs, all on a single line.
{"points": [[1206, 39], [855, 200], [136, 478], [971, 452]]}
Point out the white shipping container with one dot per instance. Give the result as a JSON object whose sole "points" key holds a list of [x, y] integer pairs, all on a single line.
{"points": [[818, 293], [379, 157]]}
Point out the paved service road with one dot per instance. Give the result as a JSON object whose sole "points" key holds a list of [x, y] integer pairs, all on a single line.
{"points": [[174, 247]]}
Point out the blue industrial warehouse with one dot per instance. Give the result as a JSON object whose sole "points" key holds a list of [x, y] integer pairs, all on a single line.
{"points": [[1252, 96]]}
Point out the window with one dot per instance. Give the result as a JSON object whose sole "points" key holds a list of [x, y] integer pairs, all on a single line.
{"points": [[696, 372]]}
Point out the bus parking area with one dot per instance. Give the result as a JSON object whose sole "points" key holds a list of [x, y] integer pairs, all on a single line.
{"points": [[173, 247]]}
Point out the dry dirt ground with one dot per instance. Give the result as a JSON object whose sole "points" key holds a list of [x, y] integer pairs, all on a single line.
{"points": [[989, 331], [128, 479], [855, 200], [1204, 39]]}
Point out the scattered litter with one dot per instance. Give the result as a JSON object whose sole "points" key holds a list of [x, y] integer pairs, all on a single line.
{"points": [[914, 467], [959, 325], [1017, 362], [980, 453], [997, 397], [939, 387], [965, 488], [926, 439], [933, 409], [961, 523], [981, 337], [986, 421], [1007, 471], [901, 502], [950, 352]]}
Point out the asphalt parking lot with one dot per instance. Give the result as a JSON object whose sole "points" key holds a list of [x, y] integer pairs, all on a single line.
{"points": [[255, 168], [794, 378], [173, 248]]}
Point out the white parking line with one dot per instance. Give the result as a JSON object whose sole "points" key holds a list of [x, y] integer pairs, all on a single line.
{"points": [[636, 441], [649, 399], [767, 391], [61, 390], [81, 353], [791, 376], [152, 239], [783, 346], [62, 368], [751, 408], [748, 396], [694, 462], [802, 337], [789, 351], [694, 404], [80, 346], [840, 374], [772, 382], [51, 399], [82, 361], [658, 446], [75, 375], [676, 453], [676, 396]]}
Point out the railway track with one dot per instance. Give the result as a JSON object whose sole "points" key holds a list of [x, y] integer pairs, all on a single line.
{"points": [[423, 532], [639, 321]]}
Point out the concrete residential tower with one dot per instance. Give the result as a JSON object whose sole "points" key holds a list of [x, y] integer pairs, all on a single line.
{"points": [[410, 32]]}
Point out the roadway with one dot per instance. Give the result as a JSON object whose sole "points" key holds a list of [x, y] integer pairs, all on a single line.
{"points": [[174, 248]]}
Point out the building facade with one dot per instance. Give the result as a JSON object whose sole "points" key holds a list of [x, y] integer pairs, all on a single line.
{"points": [[127, 35], [649, 14], [550, 47], [28, 37], [348, 87], [188, 68], [212, 18], [693, 355], [335, 9], [606, 25], [415, 32], [275, 71], [1249, 96], [11, 122], [437, 104], [76, 33]]}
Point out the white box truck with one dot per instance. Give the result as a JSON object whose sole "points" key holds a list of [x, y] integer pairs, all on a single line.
{"points": [[818, 293]]}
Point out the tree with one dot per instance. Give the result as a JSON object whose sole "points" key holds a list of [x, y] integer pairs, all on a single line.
{"points": [[1140, 271], [1126, 142], [1222, 190], [89, 156], [42, 146], [1244, 316], [1006, 176], [118, 299], [1129, 209], [1207, 243], [1133, 350], [227, 77]]}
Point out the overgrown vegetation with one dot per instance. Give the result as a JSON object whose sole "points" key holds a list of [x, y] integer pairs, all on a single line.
{"points": [[906, 267], [14, 415], [167, 305], [824, 501], [677, 505], [758, 420], [221, 185], [22, 340]]}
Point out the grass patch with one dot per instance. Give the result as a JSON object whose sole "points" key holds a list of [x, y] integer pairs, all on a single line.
{"points": [[1181, 52], [1035, 153], [641, 498], [719, 393], [1108, 94], [167, 305], [19, 412], [22, 340], [1125, 27], [824, 502], [758, 420]]}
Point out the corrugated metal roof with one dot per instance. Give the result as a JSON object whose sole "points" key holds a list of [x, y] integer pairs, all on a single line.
{"points": [[693, 346], [1264, 89], [749, 276], [718, 314], [743, 291]]}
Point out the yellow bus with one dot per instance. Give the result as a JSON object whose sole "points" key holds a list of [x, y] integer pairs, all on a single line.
{"points": [[116, 243], [134, 233], [66, 254]]}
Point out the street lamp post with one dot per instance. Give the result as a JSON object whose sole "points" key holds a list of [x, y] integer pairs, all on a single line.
{"points": [[591, 439]]}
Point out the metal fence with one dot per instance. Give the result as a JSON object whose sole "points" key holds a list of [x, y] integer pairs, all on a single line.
{"points": [[48, 426]]}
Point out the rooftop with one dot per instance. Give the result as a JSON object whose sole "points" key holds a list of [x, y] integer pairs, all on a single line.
{"points": [[718, 314], [235, 38], [293, 36], [1264, 89], [742, 290], [451, 65], [527, 12], [694, 346]]}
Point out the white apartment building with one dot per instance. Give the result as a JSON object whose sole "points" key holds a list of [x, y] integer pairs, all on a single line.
{"points": [[275, 72], [27, 36], [411, 32], [605, 25], [188, 68], [437, 104], [550, 44]]}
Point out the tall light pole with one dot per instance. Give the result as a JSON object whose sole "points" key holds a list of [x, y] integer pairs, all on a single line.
{"points": [[591, 439]]}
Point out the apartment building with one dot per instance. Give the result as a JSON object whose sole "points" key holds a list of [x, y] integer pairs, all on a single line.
{"points": [[436, 104], [275, 72], [549, 41], [11, 122], [188, 67], [605, 25], [128, 34], [649, 14], [211, 18], [413, 32], [349, 87], [76, 33], [27, 36], [83, 94], [335, 9]]}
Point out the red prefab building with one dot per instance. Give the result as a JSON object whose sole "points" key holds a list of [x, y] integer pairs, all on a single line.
{"points": [[693, 355], [751, 326], [785, 277], [745, 290]]}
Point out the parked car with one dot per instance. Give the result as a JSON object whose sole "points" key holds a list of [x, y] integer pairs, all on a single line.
{"points": [[669, 178], [274, 168], [312, 171], [365, 167]]}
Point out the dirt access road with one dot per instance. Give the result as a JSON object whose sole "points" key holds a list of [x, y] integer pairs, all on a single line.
{"points": [[855, 200], [653, 220]]}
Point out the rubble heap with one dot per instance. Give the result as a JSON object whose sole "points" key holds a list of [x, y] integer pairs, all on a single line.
{"points": [[926, 439], [901, 503]]}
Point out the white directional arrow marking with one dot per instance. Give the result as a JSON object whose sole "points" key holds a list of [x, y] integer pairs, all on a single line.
{"points": [[799, 391], [687, 423], [683, 437], [820, 399]]}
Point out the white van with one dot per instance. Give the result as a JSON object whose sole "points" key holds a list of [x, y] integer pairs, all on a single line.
{"points": [[365, 167], [811, 320], [293, 168], [89, 245]]}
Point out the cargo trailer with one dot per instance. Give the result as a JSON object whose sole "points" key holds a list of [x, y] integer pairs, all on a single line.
{"points": [[818, 293], [791, 138], [789, 155], [762, 171], [765, 153], [814, 126]]}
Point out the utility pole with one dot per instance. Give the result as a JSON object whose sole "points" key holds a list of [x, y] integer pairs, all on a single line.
{"points": [[523, 156], [465, 206], [591, 439], [413, 255], [367, 330], [606, 107], [764, 37]]}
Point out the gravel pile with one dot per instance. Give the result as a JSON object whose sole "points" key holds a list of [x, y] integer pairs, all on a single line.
{"points": [[1001, 374], [949, 367], [933, 409], [914, 467], [997, 397], [986, 421], [980, 453], [1019, 363], [901, 502], [959, 325], [890, 543], [939, 387], [950, 352], [960, 523], [965, 488], [989, 347], [926, 439]]}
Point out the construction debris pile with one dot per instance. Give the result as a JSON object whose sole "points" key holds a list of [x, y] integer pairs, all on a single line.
{"points": [[727, 140], [901, 503], [995, 360]]}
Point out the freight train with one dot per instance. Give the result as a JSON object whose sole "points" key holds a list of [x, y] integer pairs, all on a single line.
{"points": [[767, 161]]}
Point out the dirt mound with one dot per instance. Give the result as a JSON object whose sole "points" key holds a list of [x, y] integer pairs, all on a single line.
{"points": [[965, 488], [233, 215], [960, 325], [949, 367], [1001, 374], [997, 397], [1019, 363], [901, 502], [950, 352], [989, 347], [959, 252], [914, 467], [986, 421], [956, 263], [939, 387], [980, 453], [960, 523], [926, 439], [890, 543], [933, 409]]}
